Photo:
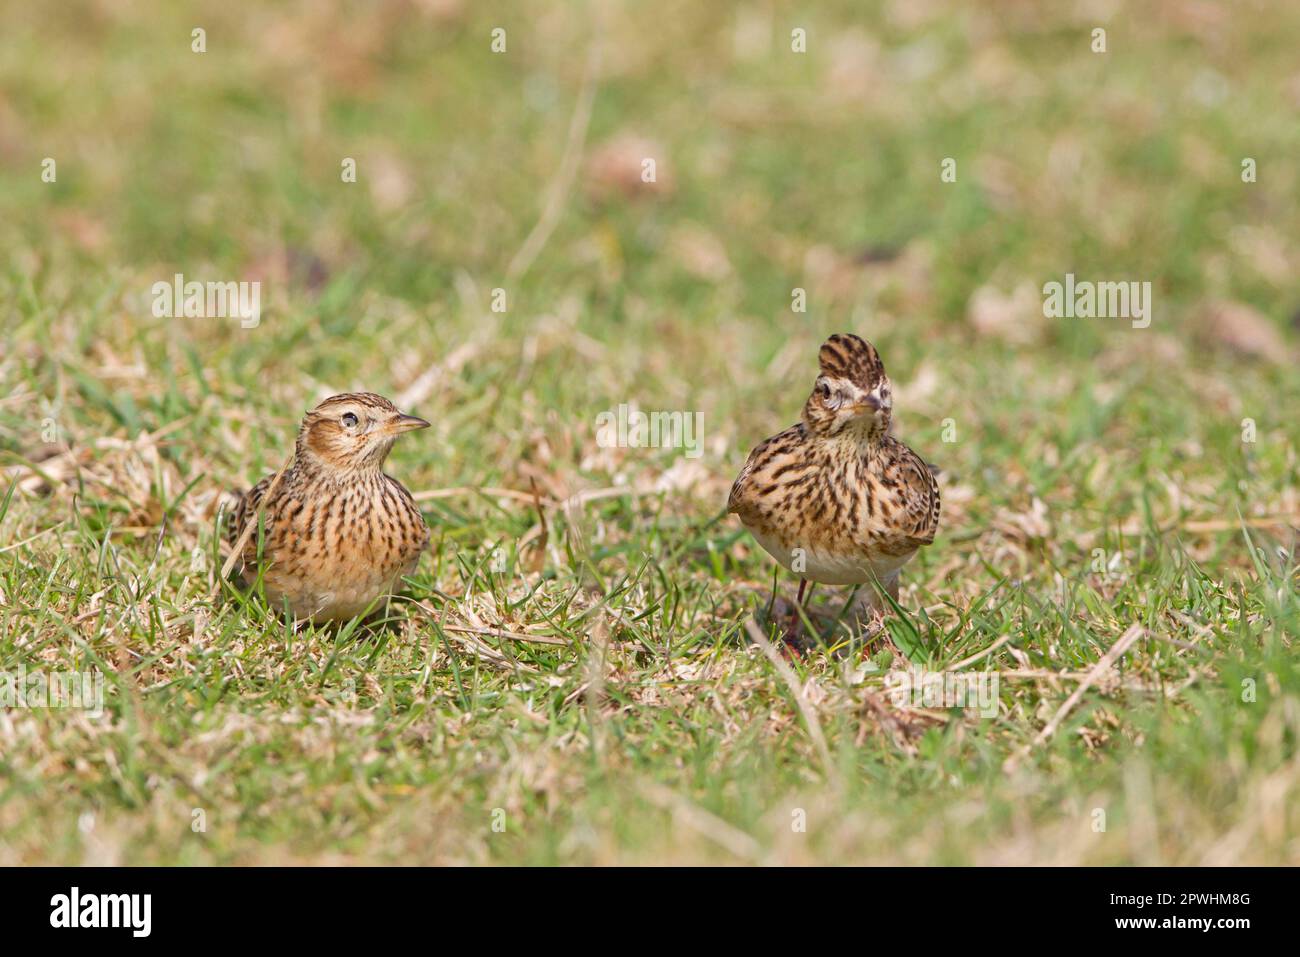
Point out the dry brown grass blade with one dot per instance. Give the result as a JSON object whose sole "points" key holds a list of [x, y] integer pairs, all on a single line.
{"points": [[32, 538], [461, 491], [532, 497], [1135, 528], [539, 555], [1117, 650], [730, 838], [979, 654], [563, 182], [470, 640], [233, 558], [511, 635], [805, 708]]}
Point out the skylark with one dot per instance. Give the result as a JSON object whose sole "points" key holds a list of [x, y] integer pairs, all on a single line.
{"points": [[337, 533], [836, 498]]}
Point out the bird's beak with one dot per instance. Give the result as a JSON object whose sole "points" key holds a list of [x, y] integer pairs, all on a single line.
{"points": [[405, 423], [869, 404]]}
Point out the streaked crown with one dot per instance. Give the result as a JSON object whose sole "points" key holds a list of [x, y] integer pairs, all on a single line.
{"points": [[846, 356], [369, 401]]}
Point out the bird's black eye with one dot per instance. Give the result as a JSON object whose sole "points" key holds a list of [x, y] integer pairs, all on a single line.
{"points": [[823, 390], [349, 420]]}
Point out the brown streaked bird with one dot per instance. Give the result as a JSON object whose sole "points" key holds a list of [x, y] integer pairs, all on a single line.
{"points": [[836, 498], [337, 533]]}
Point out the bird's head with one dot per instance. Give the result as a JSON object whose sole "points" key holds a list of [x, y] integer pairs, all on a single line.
{"points": [[852, 394], [352, 432]]}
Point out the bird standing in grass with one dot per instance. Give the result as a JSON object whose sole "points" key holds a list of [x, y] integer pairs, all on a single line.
{"points": [[836, 498], [337, 534]]}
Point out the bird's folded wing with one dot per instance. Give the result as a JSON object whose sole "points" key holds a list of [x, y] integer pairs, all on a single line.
{"points": [[246, 511], [736, 500], [742, 499], [922, 498]]}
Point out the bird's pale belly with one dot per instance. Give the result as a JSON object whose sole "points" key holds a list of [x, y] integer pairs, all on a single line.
{"points": [[332, 588], [828, 566]]}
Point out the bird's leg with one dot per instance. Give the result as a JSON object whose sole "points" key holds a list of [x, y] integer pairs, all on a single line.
{"points": [[791, 636], [798, 602]]}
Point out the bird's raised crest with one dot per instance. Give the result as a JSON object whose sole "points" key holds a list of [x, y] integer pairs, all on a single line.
{"points": [[846, 356]]}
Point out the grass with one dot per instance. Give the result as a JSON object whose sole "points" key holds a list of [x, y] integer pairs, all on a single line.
{"points": [[1096, 477]]}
